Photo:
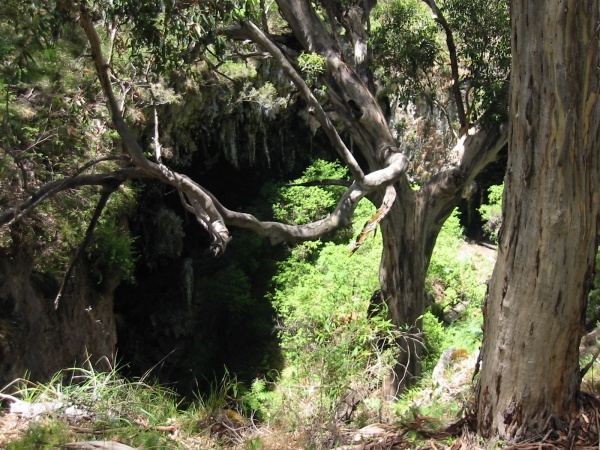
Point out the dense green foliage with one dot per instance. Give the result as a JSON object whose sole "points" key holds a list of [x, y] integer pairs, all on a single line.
{"points": [[593, 305], [407, 45], [412, 55], [333, 344], [491, 212], [481, 29], [54, 123], [301, 204], [321, 295]]}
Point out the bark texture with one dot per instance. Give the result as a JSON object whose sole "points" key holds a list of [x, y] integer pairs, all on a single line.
{"points": [[536, 302]]}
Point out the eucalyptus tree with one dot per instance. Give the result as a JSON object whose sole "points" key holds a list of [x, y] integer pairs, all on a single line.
{"points": [[534, 314], [327, 45]]}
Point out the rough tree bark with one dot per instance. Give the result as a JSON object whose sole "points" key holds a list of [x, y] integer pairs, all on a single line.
{"points": [[534, 312]]}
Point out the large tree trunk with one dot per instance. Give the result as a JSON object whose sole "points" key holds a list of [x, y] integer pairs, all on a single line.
{"points": [[536, 303], [403, 270], [412, 224], [409, 234]]}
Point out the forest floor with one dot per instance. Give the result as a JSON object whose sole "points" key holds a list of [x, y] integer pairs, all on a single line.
{"points": [[436, 415], [479, 249]]}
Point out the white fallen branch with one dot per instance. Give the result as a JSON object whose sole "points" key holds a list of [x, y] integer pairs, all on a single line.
{"points": [[30, 410], [106, 445]]}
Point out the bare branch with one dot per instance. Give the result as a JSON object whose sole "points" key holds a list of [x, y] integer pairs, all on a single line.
{"points": [[13, 214], [460, 105], [89, 233], [261, 39], [263, 16], [371, 224], [207, 209], [340, 218], [589, 365], [326, 182], [153, 170], [239, 33], [480, 145]]}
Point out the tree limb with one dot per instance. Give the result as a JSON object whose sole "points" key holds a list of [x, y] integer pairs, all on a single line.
{"points": [[326, 182], [460, 105], [207, 209], [9, 216], [589, 365], [159, 171], [351, 97], [263, 41], [474, 150], [371, 224], [342, 215], [89, 233]]}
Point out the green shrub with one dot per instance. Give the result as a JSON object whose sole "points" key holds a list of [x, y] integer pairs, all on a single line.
{"points": [[455, 281], [434, 334], [303, 204], [330, 344], [452, 279], [311, 65], [491, 212]]}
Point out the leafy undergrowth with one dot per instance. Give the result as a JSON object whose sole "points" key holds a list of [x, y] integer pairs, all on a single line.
{"points": [[100, 409], [82, 408], [334, 390]]}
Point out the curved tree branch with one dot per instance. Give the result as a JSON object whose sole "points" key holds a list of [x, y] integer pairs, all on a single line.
{"points": [[371, 224], [207, 209], [211, 217], [13, 214], [342, 215], [326, 182]]}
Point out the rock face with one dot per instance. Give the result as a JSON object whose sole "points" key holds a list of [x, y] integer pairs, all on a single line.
{"points": [[36, 339]]}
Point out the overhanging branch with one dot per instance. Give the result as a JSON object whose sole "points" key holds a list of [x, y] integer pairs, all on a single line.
{"points": [[326, 182], [342, 215], [13, 214], [159, 171], [207, 209]]}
